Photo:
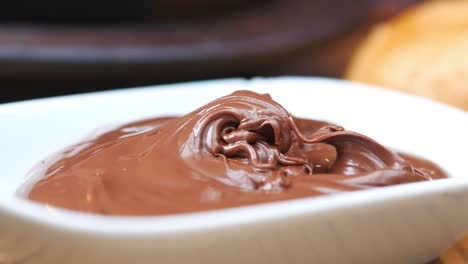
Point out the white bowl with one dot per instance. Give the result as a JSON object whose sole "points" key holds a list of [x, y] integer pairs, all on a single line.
{"points": [[402, 224]]}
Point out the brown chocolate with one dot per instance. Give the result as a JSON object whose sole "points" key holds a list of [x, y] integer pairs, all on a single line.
{"points": [[241, 149]]}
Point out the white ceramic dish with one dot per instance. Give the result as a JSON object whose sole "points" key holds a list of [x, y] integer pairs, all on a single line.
{"points": [[403, 224]]}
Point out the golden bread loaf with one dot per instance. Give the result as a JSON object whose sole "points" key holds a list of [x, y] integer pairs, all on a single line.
{"points": [[423, 51]]}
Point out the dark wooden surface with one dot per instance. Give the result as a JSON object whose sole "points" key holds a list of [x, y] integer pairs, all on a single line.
{"points": [[298, 37]]}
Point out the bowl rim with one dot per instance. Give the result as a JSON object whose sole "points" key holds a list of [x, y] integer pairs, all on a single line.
{"points": [[124, 226]]}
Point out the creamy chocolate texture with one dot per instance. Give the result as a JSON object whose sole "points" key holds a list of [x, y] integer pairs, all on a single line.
{"points": [[241, 149]]}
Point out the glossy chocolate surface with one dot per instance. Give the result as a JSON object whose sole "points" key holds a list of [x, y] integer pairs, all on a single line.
{"points": [[240, 149]]}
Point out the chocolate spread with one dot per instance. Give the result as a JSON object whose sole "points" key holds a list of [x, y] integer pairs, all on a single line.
{"points": [[241, 149]]}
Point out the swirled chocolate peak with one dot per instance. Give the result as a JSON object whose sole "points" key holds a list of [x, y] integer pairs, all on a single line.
{"points": [[240, 149]]}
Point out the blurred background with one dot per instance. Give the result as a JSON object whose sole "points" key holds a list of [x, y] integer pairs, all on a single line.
{"points": [[54, 47]]}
